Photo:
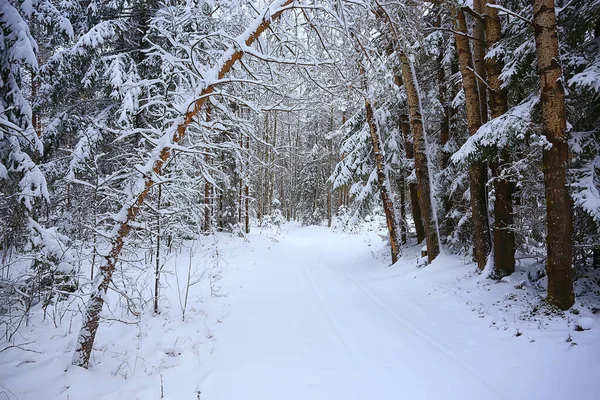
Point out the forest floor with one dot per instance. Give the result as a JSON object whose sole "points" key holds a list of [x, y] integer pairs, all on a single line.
{"points": [[307, 313]]}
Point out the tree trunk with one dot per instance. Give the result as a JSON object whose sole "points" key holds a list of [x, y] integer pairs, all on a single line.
{"points": [[420, 154], [241, 186], [445, 121], [157, 269], [479, 57], [504, 235], [558, 202], [444, 129], [425, 200], [36, 121], [221, 223], [207, 200], [384, 184], [272, 164], [402, 198], [247, 192], [130, 209], [207, 185], [344, 190], [329, 171], [412, 186], [477, 171]]}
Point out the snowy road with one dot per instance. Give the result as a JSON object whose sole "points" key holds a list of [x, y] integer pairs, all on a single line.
{"points": [[312, 314], [302, 325]]}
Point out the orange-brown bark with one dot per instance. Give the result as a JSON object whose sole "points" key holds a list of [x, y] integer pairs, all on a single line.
{"points": [[504, 236], [477, 171], [559, 217], [421, 162]]}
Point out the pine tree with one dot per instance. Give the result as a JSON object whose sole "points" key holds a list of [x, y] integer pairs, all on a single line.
{"points": [[556, 158]]}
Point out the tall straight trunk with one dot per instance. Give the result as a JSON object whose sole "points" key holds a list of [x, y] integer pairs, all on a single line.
{"points": [[157, 267], [412, 186], [477, 171], [344, 190], [479, 50], [130, 209], [272, 164], [479, 57], [420, 154], [240, 200], [263, 173], [207, 203], [444, 127], [247, 192], [329, 168], [425, 200], [221, 222], [207, 185], [452, 124], [442, 98], [295, 173], [290, 175], [384, 184], [402, 198], [559, 216], [282, 194], [241, 186], [504, 235], [445, 117]]}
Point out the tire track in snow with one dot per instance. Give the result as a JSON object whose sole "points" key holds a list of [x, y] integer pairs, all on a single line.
{"points": [[318, 295], [416, 331]]}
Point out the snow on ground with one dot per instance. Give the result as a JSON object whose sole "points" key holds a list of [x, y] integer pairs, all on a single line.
{"points": [[313, 314]]}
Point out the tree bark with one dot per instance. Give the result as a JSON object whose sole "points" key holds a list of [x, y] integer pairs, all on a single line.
{"points": [[221, 219], [409, 79], [559, 217], [329, 171], [207, 185], [402, 198], [479, 57], [207, 202], [384, 184], [247, 192], [421, 163], [477, 171], [412, 186], [130, 209], [445, 121], [444, 128], [241, 184], [157, 267], [504, 235], [345, 189]]}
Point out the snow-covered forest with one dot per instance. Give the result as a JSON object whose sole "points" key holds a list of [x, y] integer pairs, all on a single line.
{"points": [[312, 199]]}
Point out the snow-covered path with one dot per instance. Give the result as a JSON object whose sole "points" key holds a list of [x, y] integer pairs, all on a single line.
{"points": [[314, 314], [302, 325]]}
